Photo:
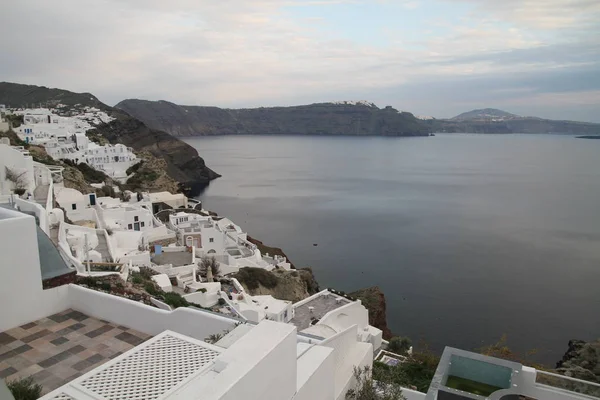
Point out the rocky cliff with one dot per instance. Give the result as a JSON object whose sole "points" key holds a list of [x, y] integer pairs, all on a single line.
{"points": [[315, 119], [181, 161], [293, 285], [582, 361], [374, 300]]}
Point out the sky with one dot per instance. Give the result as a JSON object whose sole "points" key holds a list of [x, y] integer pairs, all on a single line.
{"points": [[429, 57]]}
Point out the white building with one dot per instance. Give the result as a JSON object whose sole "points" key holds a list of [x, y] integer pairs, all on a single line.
{"points": [[172, 200], [221, 238], [65, 138]]}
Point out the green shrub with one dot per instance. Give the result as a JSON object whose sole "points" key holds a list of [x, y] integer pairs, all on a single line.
{"points": [[105, 286], [134, 168], [146, 273], [201, 290], [399, 345], [221, 301], [151, 289], [25, 389], [137, 279], [253, 277], [174, 300], [417, 370]]}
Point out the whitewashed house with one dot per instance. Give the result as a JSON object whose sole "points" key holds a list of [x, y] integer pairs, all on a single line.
{"points": [[222, 239]]}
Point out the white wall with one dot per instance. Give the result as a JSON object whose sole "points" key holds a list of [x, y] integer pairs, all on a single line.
{"points": [[260, 365], [147, 319], [316, 376], [18, 162], [341, 318], [348, 353], [218, 240], [413, 394], [21, 295], [40, 212]]}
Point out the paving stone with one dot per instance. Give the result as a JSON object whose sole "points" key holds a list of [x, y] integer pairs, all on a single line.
{"points": [[99, 331], [81, 365], [47, 363], [59, 318], [28, 326], [77, 316], [19, 362], [76, 326], [27, 372], [96, 358], [59, 341], [22, 349], [7, 372], [76, 349], [35, 336], [129, 338]]}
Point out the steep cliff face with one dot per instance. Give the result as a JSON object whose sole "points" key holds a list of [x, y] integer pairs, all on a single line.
{"points": [[374, 300], [314, 119], [181, 161], [582, 361]]}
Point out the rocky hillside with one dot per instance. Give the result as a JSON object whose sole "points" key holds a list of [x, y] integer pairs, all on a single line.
{"points": [[344, 118], [582, 361], [374, 300], [293, 285], [490, 120], [181, 161]]}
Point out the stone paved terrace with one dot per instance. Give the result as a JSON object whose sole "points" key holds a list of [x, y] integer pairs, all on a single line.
{"points": [[61, 347], [322, 305]]}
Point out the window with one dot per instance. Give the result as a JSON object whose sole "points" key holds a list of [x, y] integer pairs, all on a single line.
{"points": [[73, 206], [136, 219], [142, 224], [129, 226], [211, 240]]}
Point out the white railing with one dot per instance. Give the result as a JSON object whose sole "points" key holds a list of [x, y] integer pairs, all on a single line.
{"points": [[566, 383]]}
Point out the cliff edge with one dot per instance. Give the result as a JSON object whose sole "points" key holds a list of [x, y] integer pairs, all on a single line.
{"points": [[581, 361], [374, 300]]}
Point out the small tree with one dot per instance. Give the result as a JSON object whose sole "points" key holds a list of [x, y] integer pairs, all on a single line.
{"points": [[25, 389], [368, 389], [19, 180], [209, 262], [399, 344]]}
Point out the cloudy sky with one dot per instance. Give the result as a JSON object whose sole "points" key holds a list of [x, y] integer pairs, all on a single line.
{"points": [[429, 57]]}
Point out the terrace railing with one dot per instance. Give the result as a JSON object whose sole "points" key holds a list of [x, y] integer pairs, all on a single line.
{"points": [[566, 383]]}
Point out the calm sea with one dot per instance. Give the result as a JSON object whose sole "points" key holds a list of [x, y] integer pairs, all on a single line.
{"points": [[469, 236]]}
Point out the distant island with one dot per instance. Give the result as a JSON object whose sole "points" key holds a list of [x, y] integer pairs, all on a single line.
{"points": [[491, 120], [358, 118], [589, 137]]}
